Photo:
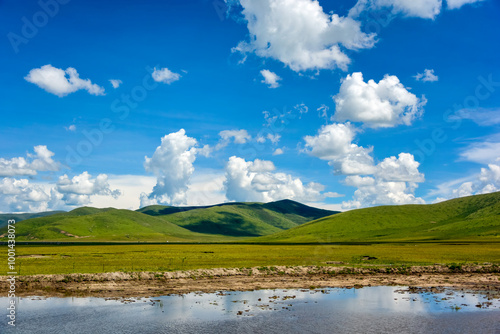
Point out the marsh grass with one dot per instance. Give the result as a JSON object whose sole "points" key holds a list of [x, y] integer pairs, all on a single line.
{"points": [[62, 259]]}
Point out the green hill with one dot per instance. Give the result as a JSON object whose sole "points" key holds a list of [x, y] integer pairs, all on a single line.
{"points": [[223, 222], [467, 219], [5, 217], [89, 224], [239, 219]]}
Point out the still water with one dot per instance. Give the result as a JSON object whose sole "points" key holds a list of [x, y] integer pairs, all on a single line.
{"points": [[366, 310]]}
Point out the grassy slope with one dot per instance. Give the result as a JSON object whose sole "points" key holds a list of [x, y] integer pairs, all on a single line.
{"points": [[225, 222], [90, 224], [239, 219], [469, 218], [5, 217]]}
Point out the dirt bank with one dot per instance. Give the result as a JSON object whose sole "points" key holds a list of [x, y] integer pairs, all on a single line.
{"points": [[137, 284]]}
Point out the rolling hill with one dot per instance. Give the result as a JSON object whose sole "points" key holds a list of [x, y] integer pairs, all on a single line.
{"points": [[5, 217], [224, 222], [462, 219], [239, 219], [92, 224]]}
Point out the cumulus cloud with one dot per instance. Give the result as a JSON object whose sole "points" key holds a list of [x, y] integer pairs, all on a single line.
{"points": [[383, 104], [300, 34], [403, 168], [248, 181], [334, 143], [115, 83], [383, 193], [40, 161], [18, 195], [165, 75], [77, 190], [61, 82], [393, 182], [172, 163], [427, 76], [426, 9], [237, 136], [270, 78], [455, 4]]}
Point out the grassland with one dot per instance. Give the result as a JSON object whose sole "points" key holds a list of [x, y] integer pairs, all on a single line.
{"points": [[109, 258], [464, 230]]}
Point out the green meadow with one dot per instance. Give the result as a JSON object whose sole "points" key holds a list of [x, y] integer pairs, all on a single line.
{"points": [[161, 238], [61, 259]]}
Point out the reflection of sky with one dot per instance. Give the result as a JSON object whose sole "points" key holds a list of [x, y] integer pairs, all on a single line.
{"points": [[193, 307]]}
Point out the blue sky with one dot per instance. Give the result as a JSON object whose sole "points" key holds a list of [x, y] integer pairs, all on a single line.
{"points": [[345, 105]]}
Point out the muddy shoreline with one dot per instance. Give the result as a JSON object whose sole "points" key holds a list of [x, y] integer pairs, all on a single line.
{"points": [[149, 284]]}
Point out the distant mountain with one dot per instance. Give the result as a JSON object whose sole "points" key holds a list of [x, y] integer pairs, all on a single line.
{"points": [[91, 224], [470, 218], [223, 222], [5, 217], [239, 219]]}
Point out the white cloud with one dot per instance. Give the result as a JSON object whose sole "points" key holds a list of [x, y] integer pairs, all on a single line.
{"points": [[394, 182], [484, 153], [334, 144], [384, 193], [487, 181], [490, 179], [131, 187], [248, 181], [426, 9], [384, 104], [427, 76], [404, 168], [274, 138], [18, 195], [301, 108], [480, 116], [299, 34], [206, 188], [71, 128], [115, 83], [165, 75], [278, 151], [238, 137], [172, 163], [61, 82], [323, 112], [77, 190], [455, 4], [40, 161], [270, 78]]}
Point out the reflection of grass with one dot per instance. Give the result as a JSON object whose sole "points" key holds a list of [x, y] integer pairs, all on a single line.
{"points": [[107, 258]]}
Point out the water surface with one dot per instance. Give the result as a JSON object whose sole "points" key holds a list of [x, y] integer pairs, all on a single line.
{"points": [[335, 310]]}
